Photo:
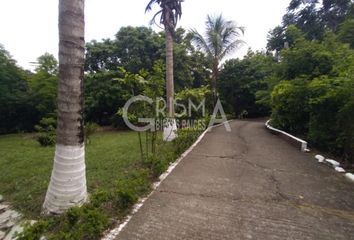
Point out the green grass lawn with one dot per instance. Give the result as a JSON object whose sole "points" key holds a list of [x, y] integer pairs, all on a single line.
{"points": [[25, 166], [116, 178]]}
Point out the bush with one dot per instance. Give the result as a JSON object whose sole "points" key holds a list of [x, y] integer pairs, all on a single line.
{"points": [[82, 223], [158, 164], [33, 232], [320, 110], [46, 139], [100, 197], [131, 187], [186, 137], [346, 129], [331, 128], [46, 129], [290, 106], [77, 223]]}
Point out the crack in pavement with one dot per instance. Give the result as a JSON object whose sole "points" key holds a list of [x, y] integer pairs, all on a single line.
{"points": [[278, 192], [213, 156], [201, 195], [225, 198]]}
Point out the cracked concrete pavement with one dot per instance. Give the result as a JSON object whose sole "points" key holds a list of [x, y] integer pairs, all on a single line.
{"points": [[247, 184]]}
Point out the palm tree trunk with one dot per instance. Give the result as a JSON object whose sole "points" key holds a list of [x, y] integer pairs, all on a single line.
{"points": [[169, 74], [67, 186], [214, 78], [169, 130]]}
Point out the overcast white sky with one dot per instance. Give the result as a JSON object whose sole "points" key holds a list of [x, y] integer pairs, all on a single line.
{"points": [[29, 28]]}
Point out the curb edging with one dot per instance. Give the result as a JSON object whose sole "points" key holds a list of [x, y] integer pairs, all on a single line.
{"points": [[336, 166], [303, 143]]}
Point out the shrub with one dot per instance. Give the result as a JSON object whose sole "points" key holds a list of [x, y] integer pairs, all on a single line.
{"points": [[77, 223], [158, 164], [131, 187], [46, 139], [290, 106], [82, 223], [46, 129], [33, 232], [100, 197], [186, 137], [346, 129], [331, 112]]}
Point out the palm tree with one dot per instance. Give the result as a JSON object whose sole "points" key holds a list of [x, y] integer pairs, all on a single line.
{"points": [[67, 186], [171, 11], [221, 38]]}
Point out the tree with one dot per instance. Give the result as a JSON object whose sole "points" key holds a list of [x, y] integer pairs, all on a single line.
{"points": [[138, 48], [44, 84], [305, 16], [240, 80], [312, 93], [171, 11], [48, 64], [314, 18], [346, 32], [334, 12], [222, 37], [104, 94], [133, 48], [16, 110], [346, 28], [67, 186], [280, 37]]}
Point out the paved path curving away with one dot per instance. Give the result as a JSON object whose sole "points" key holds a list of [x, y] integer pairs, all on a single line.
{"points": [[247, 184]]}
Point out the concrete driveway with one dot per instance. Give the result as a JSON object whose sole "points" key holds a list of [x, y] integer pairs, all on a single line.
{"points": [[247, 184]]}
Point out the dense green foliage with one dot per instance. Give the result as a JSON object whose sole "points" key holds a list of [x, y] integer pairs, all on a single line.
{"points": [[138, 48], [26, 97], [240, 80], [306, 84], [312, 89], [314, 18], [16, 109], [111, 66], [123, 67]]}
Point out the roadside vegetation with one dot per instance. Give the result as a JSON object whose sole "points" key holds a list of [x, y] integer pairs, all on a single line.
{"points": [[116, 179]]}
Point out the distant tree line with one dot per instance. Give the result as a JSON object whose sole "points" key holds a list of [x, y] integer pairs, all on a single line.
{"points": [[311, 90]]}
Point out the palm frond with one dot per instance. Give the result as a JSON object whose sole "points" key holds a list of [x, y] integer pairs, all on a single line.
{"points": [[231, 47], [200, 42], [149, 6], [221, 36]]}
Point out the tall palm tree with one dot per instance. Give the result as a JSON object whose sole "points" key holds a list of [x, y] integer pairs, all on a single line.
{"points": [[67, 186], [171, 11], [221, 38]]}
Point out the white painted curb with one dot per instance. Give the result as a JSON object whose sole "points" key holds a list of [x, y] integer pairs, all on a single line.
{"points": [[303, 143], [336, 166], [112, 234], [350, 177]]}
